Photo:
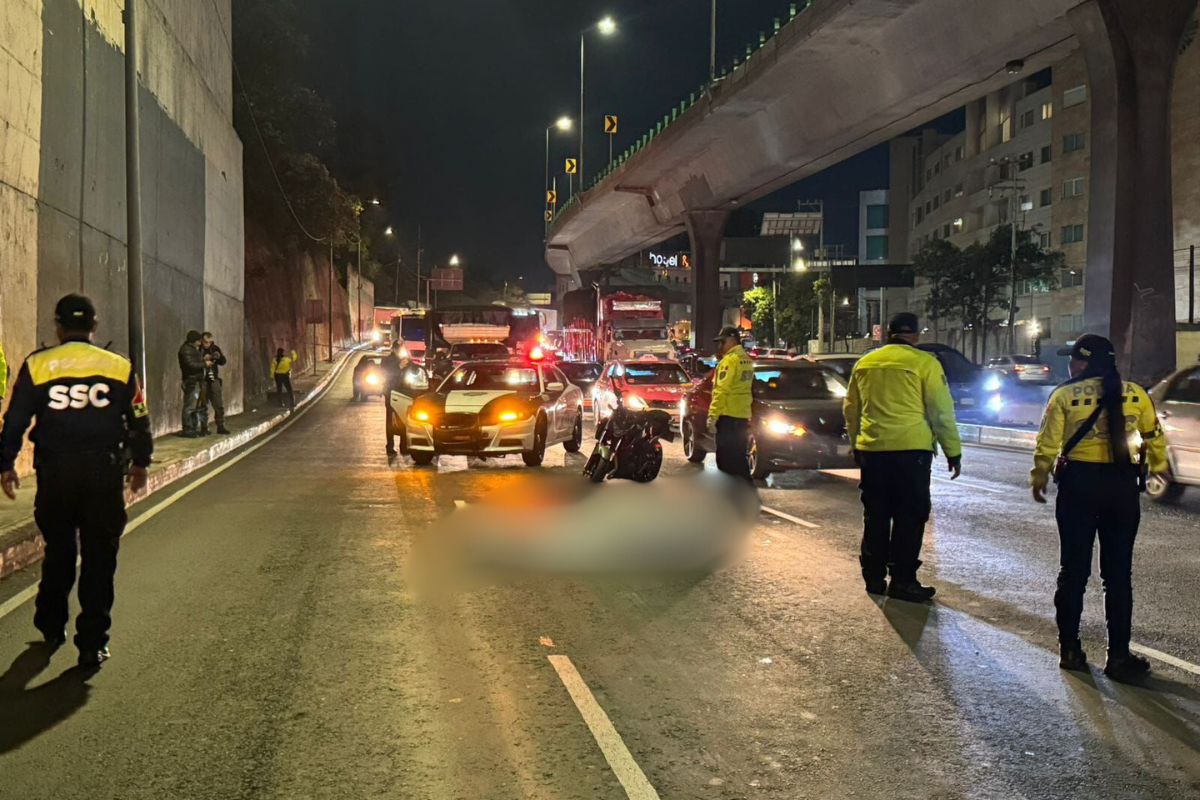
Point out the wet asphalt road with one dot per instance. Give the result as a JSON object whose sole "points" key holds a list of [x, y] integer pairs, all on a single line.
{"points": [[268, 644]]}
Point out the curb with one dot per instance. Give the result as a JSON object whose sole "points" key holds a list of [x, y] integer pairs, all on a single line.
{"points": [[989, 436], [27, 550]]}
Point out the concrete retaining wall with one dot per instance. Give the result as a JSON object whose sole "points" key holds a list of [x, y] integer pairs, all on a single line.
{"points": [[62, 180]]}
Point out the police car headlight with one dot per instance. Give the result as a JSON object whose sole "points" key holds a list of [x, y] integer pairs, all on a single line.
{"points": [[634, 402]]}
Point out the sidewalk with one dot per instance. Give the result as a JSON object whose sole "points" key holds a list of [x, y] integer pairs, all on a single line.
{"points": [[174, 458]]}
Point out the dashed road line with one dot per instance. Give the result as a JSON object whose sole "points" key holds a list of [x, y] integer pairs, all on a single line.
{"points": [[637, 786], [782, 515]]}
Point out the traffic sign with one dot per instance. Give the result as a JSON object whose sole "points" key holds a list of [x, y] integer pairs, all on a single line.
{"points": [[549, 216], [572, 166], [551, 196], [610, 123]]}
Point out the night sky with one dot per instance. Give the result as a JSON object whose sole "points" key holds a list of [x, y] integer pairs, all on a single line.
{"points": [[442, 111]]}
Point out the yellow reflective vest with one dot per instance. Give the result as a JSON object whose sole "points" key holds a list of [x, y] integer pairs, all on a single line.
{"points": [[283, 366], [3, 372], [899, 400], [732, 385], [1070, 406]]}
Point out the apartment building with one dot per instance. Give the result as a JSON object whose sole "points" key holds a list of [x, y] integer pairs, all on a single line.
{"points": [[1025, 154]]}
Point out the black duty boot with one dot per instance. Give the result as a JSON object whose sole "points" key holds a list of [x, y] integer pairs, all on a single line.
{"points": [[910, 591], [1072, 657], [876, 580], [221, 429], [54, 639], [1126, 668], [93, 658]]}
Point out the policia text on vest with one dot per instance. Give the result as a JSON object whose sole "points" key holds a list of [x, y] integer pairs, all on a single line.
{"points": [[898, 409], [88, 411]]}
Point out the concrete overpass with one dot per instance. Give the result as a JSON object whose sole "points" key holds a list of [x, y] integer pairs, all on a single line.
{"points": [[845, 75]]}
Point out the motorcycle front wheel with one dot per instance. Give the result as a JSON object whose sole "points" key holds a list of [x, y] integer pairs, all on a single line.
{"points": [[649, 463]]}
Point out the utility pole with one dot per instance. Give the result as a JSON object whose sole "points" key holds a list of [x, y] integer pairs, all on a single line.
{"points": [[329, 330], [582, 119], [418, 295], [133, 198], [712, 48]]}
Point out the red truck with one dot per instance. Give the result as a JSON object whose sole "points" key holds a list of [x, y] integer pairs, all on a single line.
{"points": [[616, 322]]}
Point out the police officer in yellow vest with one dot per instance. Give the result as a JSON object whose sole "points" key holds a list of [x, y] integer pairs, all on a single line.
{"points": [[729, 412], [88, 408], [1100, 478], [281, 371], [898, 409]]}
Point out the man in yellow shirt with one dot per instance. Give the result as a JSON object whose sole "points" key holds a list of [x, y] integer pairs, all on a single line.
{"points": [[732, 399], [898, 409], [1099, 481]]}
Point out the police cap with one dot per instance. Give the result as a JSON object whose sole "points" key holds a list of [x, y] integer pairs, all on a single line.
{"points": [[729, 331], [1089, 347], [75, 312], [903, 323]]}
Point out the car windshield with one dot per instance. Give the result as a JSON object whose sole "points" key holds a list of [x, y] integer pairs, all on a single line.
{"points": [[639, 334], [367, 363], [1024, 360], [581, 372], [956, 366], [412, 329], [842, 366], [802, 383], [642, 374], [465, 352], [490, 378]]}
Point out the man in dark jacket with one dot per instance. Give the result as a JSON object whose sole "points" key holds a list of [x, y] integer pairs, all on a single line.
{"points": [[213, 386], [191, 366]]}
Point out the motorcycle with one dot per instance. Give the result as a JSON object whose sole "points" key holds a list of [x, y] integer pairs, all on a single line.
{"points": [[628, 445]]}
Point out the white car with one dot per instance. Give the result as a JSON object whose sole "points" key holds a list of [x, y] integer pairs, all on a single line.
{"points": [[497, 408]]}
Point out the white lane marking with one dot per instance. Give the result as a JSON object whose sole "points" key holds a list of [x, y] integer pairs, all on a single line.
{"points": [[16, 601], [789, 517], [637, 787], [1187, 666], [967, 485]]}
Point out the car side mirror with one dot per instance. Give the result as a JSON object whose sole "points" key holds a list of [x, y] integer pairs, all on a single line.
{"points": [[554, 386]]}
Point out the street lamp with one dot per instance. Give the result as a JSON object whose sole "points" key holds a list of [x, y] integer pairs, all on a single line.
{"points": [[606, 27], [454, 261], [563, 124], [797, 246], [800, 265], [388, 231]]}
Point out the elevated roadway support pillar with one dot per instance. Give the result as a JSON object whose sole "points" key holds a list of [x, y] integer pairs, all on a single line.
{"points": [[1130, 47], [706, 229]]}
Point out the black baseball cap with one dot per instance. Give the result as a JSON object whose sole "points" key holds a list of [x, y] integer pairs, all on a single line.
{"points": [[729, 331], [904, 322], [75, 312], [1090, 346]]}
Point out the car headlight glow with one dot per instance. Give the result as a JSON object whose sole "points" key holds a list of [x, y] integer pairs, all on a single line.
{"points": [[995, 403], [992, 384], [634, 402], [781, 427], [419, 414], [372, 379], [376, 336]]}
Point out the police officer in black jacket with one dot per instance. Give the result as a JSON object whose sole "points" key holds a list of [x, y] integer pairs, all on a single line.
{"points": [[88, 409], [191, 367]]}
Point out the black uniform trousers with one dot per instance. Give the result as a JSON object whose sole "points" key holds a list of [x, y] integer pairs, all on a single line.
{"points": [[1097, 500], [896, 506], [283, 383], [733, 441], [84, 493]]}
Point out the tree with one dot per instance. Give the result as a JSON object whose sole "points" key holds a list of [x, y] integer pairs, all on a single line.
{"points": [[969, 285], [760, 303], [795, 308]]}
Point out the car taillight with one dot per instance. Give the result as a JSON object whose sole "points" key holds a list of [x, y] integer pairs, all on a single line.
{"points": [[1019, 368]]}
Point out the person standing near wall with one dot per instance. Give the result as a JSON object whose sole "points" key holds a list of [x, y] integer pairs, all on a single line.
{"points": [[191, 368], [214, 393], [281, 371]]}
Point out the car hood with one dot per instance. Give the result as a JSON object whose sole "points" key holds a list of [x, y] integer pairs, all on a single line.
{"points": [[660, 392], [468, 400]]}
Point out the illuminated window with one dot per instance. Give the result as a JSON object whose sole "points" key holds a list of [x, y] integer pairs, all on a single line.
{"points": [[1047, 110], [958, 225], [1006, 129]]}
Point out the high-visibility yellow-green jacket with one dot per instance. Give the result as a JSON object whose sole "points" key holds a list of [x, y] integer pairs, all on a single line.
{"points": [[899, 400], [283, 366], [1070, 406], [732, 385], [3, 372]]}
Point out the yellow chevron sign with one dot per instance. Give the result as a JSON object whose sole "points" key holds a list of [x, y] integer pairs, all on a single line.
{"points": [[572, 166], [610, 123]]}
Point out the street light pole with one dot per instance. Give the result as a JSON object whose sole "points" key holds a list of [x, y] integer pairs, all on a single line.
{"points": [[582, 123], [133, 199], [712, 50]]}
